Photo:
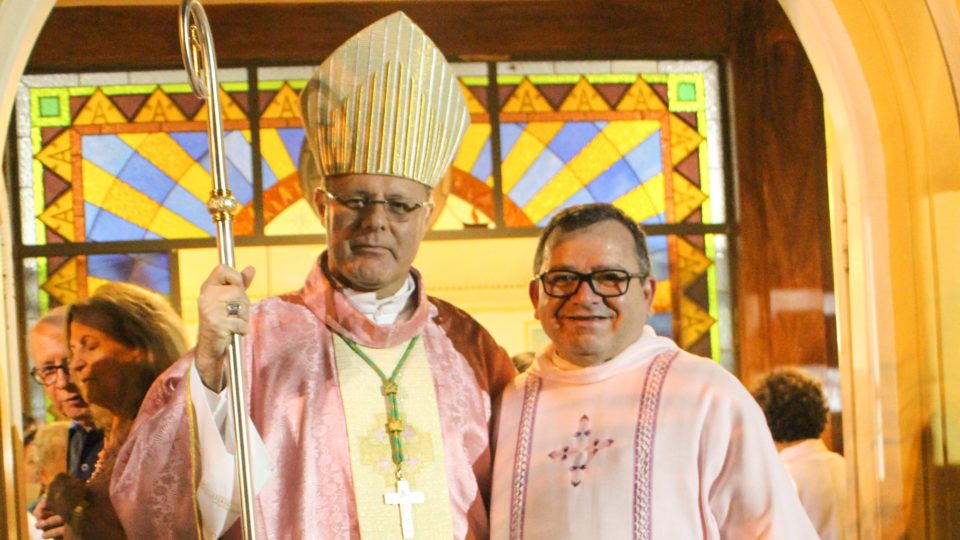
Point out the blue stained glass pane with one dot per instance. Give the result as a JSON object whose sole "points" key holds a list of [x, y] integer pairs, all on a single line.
{"points": [[662, 324], [158, 260], [543, 169], [293, 140], [194, 143], [90, 212], [601, 124], [241, 187], [190, 208], [152, 236], [657, 243], [509, 133], [109, 227], [151, 271], [269, 178], [613, 183], [113, 267], [572, 138], [107, 152], [657, 219], [646, 158], [660, 265], [238, 163], [146, 178], [238, 153], [483, 167], [148, 270], [581, 197]]}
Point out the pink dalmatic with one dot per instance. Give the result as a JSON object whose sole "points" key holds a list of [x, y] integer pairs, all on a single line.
{"points": [[296, 407]]}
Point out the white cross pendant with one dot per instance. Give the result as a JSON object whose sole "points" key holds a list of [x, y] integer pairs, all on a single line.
{"points": [[405, 499]]}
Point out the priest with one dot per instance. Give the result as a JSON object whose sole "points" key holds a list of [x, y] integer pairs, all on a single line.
{"points": [[614, 432], [370, 402]]}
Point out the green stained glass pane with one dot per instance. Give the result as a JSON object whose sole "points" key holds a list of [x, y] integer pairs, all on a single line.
{"points": [[49, 106], [687, 91]]}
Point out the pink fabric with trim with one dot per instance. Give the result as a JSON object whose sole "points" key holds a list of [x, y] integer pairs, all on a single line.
{"points": [[296, 406]]}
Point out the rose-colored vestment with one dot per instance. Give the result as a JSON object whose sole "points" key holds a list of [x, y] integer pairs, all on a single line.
{"points": [[653, 444], [295, 405]]}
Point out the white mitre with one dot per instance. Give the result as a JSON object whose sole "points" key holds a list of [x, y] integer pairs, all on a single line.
{"points": [[385, 102]]}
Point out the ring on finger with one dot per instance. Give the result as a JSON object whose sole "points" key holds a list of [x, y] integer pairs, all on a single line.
{"points": [[233, 309]]}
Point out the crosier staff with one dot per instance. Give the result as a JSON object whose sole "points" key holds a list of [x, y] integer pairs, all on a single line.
{"points": [[199, 58]]}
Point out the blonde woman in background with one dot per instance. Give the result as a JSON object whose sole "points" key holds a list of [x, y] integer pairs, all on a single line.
{"points": [[120, 339]]}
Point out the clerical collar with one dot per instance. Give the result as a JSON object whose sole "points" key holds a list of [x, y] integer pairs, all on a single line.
{"points": [[382, 310]]}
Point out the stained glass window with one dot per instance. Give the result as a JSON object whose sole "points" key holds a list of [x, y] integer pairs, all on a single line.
{"points": [[692, 294], [123, 157], [114, 175], [464, 196], [634, 134], [62, 280]]}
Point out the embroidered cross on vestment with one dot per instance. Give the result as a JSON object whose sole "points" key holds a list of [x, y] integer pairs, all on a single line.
{"points": [[581, 452]]}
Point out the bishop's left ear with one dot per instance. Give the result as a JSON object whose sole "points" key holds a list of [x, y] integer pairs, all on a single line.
{"points": [[321, 202]]}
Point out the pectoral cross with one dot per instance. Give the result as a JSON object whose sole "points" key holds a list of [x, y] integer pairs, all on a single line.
{"points": [[405, 499]]}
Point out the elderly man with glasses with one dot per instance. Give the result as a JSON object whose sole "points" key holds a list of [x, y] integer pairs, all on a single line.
{"points": [[370, 402], [614, 432], [49, 353]]}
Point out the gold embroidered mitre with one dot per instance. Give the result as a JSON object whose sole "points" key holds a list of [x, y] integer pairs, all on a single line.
{"points": [[385, 102]]}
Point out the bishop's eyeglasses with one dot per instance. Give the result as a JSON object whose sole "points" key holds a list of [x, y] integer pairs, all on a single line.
{"points": [[397, 210], [605, 283], [47, 375]]}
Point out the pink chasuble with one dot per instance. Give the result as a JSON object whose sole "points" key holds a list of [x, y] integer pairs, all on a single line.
{"points": [[295, 405], [654, 443]]}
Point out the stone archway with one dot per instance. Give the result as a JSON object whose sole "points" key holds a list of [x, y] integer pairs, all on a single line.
{"points": [[20, 24], [885, 70]]}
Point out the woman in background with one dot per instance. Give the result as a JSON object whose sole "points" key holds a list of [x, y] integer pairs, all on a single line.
{"points": [[121, 339]]}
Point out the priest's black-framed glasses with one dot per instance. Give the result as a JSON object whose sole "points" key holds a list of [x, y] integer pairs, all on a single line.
{"points": [[605, 283]]}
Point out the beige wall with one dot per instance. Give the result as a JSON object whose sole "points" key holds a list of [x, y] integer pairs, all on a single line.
{"points": [[460, 275]]}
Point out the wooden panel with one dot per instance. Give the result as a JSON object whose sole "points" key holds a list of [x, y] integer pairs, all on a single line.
{"points": [[125, 37], [784, 263]]}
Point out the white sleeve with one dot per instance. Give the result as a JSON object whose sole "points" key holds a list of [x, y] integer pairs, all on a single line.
{"points": [[218, 495], [750, 493]]}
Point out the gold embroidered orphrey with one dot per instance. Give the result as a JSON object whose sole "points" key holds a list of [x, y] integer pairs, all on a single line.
{"points": [[370, 394], [403, 497]]}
